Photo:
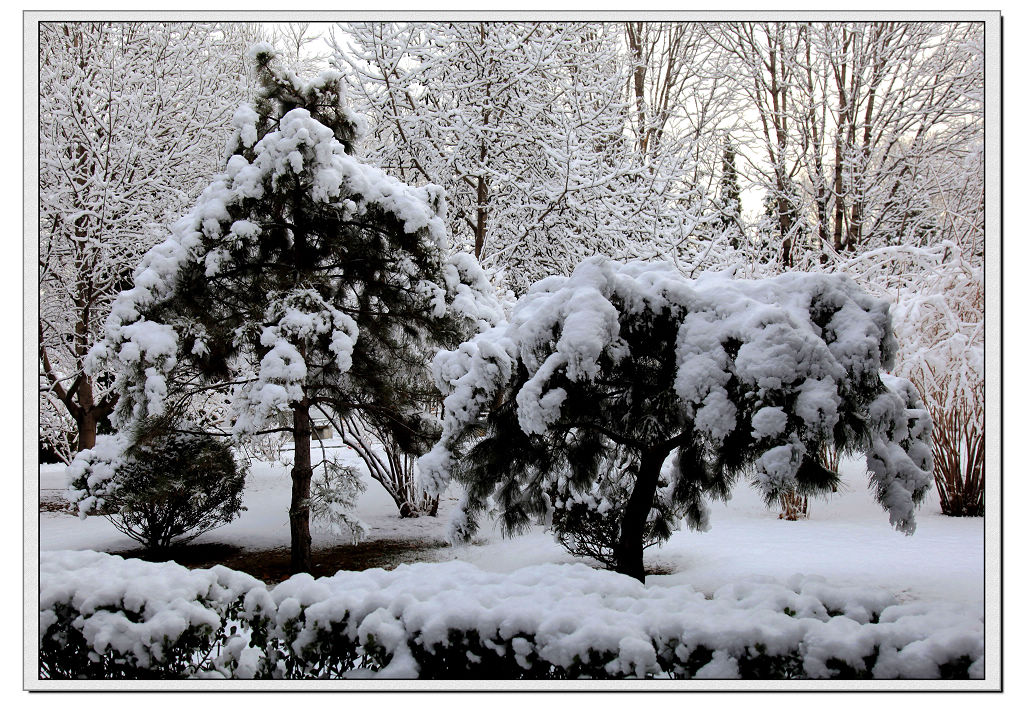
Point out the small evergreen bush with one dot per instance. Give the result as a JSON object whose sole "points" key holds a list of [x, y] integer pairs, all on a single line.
{"points": [[165, 487]]}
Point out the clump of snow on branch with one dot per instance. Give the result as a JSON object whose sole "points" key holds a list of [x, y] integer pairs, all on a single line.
{"points": [[335, 491], [297, 319], [900, 457], [474, 296], [90, 476]]}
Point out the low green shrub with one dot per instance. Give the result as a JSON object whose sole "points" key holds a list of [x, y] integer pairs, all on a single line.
{"points": [[159, 487]]}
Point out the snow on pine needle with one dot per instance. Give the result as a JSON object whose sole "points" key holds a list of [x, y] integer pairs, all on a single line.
{"points": [[759, 371], [217, 231]]}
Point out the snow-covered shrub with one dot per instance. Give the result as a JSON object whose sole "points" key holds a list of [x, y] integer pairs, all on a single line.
{"points": [[101, 616], [944, 318], [106, 617], [553, 621], [725, 375], [939, 317], [160, 486]]}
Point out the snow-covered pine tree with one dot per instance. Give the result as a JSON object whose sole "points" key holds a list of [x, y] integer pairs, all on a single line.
{"points": [[304, 278], [635, 360], [732, 208]]}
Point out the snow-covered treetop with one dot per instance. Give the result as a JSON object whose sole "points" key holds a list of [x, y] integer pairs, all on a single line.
{"points": [[323, 95], [733, 374], [290, 256]]}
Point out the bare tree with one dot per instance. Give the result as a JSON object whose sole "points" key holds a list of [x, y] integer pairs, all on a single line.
{"points": [[682, 109], [297, 42], [763, 59], [131, 117], [525, 126]]}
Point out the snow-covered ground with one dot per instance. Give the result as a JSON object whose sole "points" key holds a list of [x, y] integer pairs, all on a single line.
{"points": [[846, 540]]}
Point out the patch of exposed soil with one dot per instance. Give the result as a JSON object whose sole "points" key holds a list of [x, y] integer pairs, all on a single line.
{"points": [[53, 501], [272, 565], [659, 568]]}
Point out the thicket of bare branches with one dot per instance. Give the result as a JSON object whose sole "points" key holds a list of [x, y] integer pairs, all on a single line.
{"points": [[938, 314], [132, 117]]}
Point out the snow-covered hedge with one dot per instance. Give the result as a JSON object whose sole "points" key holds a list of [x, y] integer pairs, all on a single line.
{"points": [[102, 616], [124, 618]]}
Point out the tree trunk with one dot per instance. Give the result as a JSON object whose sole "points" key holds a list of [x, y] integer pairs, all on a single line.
{"points": [[302, 475], [794, 507], [395, 471], [634, 31], [87, 431], [87, 416], [629, 550]]}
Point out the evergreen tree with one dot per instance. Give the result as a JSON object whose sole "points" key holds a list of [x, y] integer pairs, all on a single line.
{"points": [[305, 279], [630, 363], [732, 209], [775, 246]]}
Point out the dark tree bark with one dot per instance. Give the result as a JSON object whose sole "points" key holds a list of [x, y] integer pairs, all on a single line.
{"points": [[78, 397], [87, 423], [480, 229], [302, 475], [481, 210], [634, 32], [629, 550]]}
